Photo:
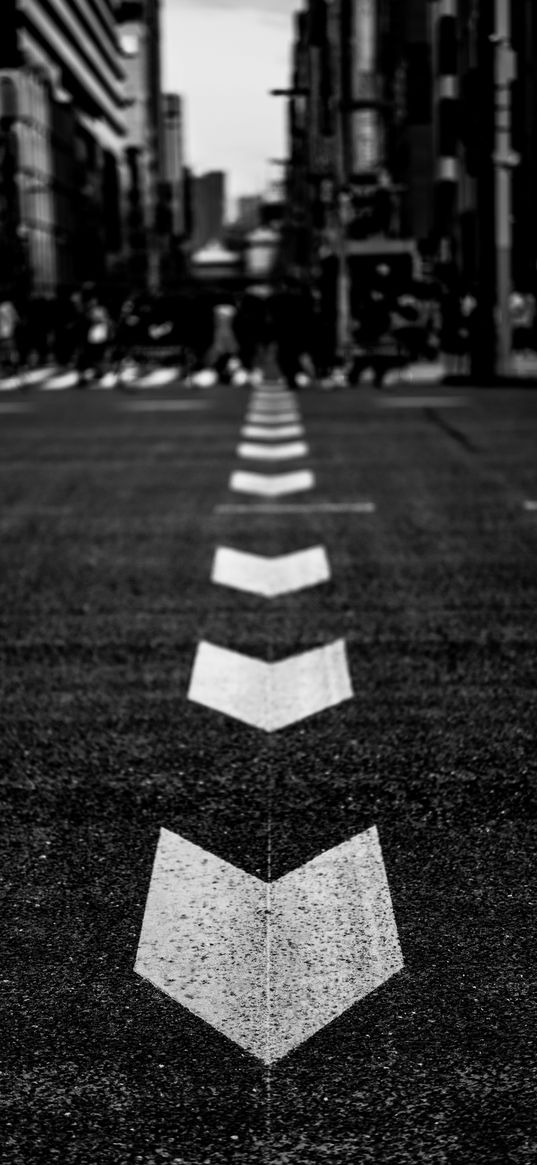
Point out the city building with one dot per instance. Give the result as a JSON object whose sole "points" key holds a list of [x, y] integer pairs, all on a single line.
{"points": [[138, 24], [173, 165], [408, 94], [248, 215], [61, 140], [208, 208]]}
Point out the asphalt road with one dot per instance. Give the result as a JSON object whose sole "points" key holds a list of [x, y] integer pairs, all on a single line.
{"points": [[110, 517]]}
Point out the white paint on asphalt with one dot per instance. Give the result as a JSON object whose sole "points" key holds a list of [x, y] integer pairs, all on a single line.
{"points": [[314, 508], [14, 407], [287, 452], [268, 964], [158, 378], [423, 402], [269, 396], [270, 696], [61, 382], [269, 411], [279, 433], [530, 506], [287, 418], [10, 383], [273, 486], [270, 577], [36, 375], [273, 403], [279, 423], [162, 406]]}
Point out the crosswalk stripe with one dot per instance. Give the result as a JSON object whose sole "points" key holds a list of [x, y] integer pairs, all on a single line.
{"points": [[58, 383], [10, 383], [158, 378]]}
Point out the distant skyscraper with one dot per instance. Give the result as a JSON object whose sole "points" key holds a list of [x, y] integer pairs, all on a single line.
{"points": [[139, 34], [62, 130], [209, 196], [173, 162], [249, 211]]}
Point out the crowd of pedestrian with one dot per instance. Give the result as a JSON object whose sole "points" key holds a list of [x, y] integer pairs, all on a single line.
{"points": [[286, 328]]}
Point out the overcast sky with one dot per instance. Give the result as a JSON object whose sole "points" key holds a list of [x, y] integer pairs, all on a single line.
{"points": [[223, 56]]}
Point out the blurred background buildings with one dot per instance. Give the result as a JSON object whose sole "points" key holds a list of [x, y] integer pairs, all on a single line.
{"points": [[392, 149], [62, 129], [394, 122]]}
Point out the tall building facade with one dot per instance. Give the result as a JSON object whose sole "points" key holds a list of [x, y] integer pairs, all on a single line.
{"points": [[465, 59], [61, 141], [138, 23], [209, 207], [173, 165]]}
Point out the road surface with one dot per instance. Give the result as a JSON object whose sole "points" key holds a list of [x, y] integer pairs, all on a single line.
{"points": [[268, 776]]}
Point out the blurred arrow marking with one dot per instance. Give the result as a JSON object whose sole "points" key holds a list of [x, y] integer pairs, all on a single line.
{"points": [[270, 577], [270, 696]]}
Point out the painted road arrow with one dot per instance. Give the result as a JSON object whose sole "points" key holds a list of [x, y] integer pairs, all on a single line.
{"points": [[272, 398], [270, 577], [268, 964], [270, 696], [278, 433], [287, 452], [271, 403], [285, 417], [273, 486], [269, 412]]}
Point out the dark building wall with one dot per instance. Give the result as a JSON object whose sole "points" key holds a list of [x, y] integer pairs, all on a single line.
{"points": [[9, 44], [524, 40], [406, 66], [208, 207], [65, 78]]}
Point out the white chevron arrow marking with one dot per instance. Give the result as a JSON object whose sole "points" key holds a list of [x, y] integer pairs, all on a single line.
{"points": [[271, 410], [270, 577], [288, 452], [277, 433], [269, 964], [272, 487], [270, 696], [287, 418], [272, 398], [268, 403]]}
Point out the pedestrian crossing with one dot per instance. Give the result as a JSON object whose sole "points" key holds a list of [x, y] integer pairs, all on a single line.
{"points": [[52, 378]]}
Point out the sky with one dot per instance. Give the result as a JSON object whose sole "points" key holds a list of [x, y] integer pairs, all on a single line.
{"points": [[223, 56]]}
